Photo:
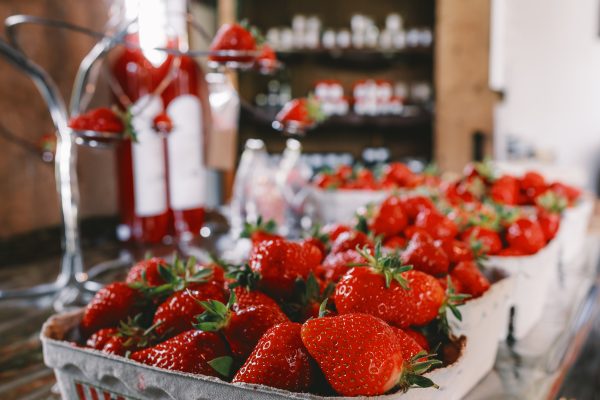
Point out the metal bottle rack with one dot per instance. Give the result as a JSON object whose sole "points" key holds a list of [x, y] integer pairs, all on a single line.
{"points": [[72, 281]]}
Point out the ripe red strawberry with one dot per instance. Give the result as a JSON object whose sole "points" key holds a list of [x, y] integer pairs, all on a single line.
{"points": [[319, 239], [395, 242], [336, 265], [190, 351], [489, 239], [455, 250], [327, 181], [147, 271], [412, 230], [280, 360], [409, 346], [398, 174], [110, 305], [436, 224], [242, 328], [335, 230], [505, 190], [525, 234], [389, 218], [472, 281], [246, 298], [260, 231], [532, 184], [571, 193], [424, 255], [300, 113], [216, 272], [267, 59], [413, 205], [280, 263], [549, 222], [359, 354], [350, 241], [419, 338], [232, 37], [177, 313], [387, 289], [100, 119], [456, 284], [129, 336], [162, 123]]}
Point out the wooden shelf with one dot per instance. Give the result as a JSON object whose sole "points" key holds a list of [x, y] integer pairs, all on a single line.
{"points": [[419, 119], [357, 58]]}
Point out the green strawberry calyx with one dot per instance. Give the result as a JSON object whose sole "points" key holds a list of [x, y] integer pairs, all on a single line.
{"points": [[177, 275], [243, 276], [412, 373], [552, 202], [216, 315], [314, 110], [451, 303], [222, 365], [135, 335], [269, 227], [389, 265]]}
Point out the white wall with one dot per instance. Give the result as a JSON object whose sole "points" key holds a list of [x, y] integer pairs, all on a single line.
{"points": [[551, 74]]}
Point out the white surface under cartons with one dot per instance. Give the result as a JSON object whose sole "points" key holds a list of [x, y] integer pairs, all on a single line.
{"points": [[104, 373], [341, 205], [534, 276]]}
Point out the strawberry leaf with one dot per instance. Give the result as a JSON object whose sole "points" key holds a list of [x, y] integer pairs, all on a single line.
{"points": [[243, 276], [413, 370], [222, 365]]}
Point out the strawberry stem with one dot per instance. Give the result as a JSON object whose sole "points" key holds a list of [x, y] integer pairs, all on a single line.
{"points": [[452, 301], [412, 374], [390, 265]]}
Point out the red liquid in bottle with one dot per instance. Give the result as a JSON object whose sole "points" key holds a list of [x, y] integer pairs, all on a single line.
{"points": [[185, 99], [148, 224]]}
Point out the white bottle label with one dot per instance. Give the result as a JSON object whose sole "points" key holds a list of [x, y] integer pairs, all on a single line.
{"points": [[148, 157], [185, 153]]}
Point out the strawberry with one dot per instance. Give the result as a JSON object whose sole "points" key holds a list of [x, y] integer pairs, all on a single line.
{"points": [[110, 305], [412, 230], [425, 256], [525, 234], [310, 296], [409, 346], [399, 174], [482, 170], [191, 351], [571, 193], [455, 250], [455, 283], [436, 224], [267, 59], [242, 328], [413, 205], [162, 123], [344, 172], [350, 241], [177, 313], [549, 222], [532, 184], [395, 242], [336, 265], [260, 231], [505, 190], [232, 37], [319, 239], [100, 119], [246, 298], [279, 360], [335, 230], [472, 281], [389, 219], [326, 181], [300, 113], [280, 263], [489, 239], [129, 336], [148, 271], [419, 338], [360, 355], [386, 288]]}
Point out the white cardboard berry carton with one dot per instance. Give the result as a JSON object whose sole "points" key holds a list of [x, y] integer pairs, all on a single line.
{"points": [[573, 228], [341, 205], [534, 276], [89, 374]]}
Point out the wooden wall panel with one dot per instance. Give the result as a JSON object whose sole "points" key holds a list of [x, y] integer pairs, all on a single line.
{"points": [[464, 102], [28, 198]]}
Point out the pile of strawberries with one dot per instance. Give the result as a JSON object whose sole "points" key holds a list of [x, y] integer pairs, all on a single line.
{"points": [[290, 318], [390, 176]]}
